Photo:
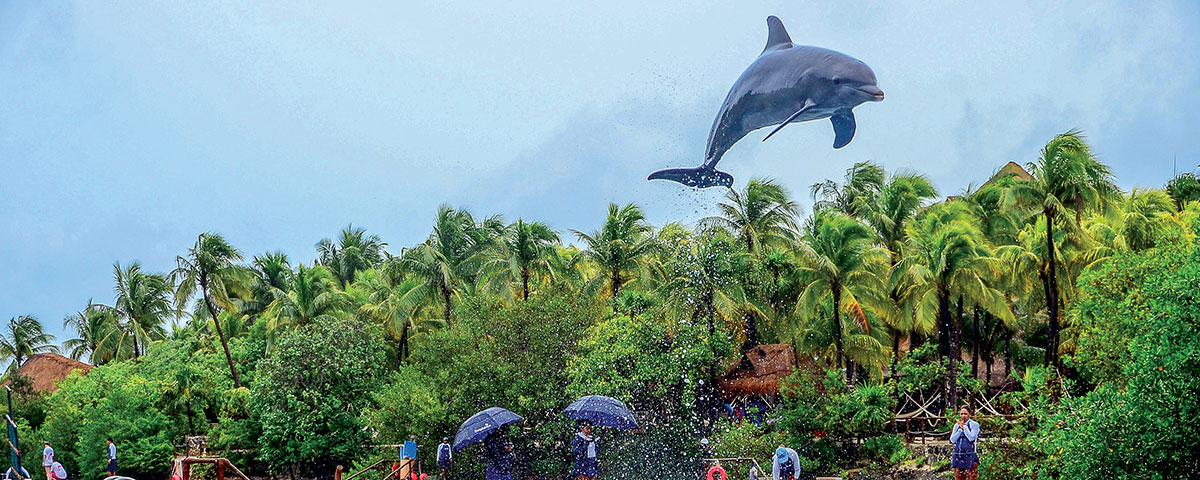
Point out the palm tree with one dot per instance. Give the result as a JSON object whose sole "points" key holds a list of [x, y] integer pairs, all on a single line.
{"points": [[23, 338], [1066, 177], [863, 182], [354, 251], [268, 272], [210, 265], [450, 258], [947, 256], [525, 249], [618, 248], [313, 297], [142, 305], [898, 201], [385, 298], [838, 257], [762, 214], [1184, 189]]}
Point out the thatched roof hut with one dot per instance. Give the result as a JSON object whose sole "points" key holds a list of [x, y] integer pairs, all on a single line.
{"points": [[46, 369], [759, 371]]}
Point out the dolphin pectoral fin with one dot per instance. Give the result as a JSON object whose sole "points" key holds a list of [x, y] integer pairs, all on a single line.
{"points": [[807, 105], [843, 128], [699, 177]]}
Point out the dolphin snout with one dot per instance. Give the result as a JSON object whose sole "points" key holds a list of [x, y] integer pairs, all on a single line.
{"points": [[873, 91]]}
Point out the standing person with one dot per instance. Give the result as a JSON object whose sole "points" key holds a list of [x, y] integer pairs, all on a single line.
{"points": [[112, 458], [499, 451], [587, 452], [445, 455], [48, 460], [965, 459], [786, 464]]}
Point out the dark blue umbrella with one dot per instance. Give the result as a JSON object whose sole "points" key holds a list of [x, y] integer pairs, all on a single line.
{"points": [[482, 424], [603, 411]]}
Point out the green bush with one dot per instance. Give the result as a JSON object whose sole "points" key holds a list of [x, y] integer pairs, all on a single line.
{"points": [[746, 440], [888, 448], [309, 391], [1139, 339]]}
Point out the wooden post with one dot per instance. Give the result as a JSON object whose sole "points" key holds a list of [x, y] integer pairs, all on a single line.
{"points": [[221, 468], [337, 474]]}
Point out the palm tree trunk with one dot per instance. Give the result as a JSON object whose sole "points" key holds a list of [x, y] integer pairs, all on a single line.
{"points": [[976, 341], [616, 288], [1007, 352], [837, 328], [212, 312], [525, 284], [955, 356], [446, 310], [751, 327], [1051, 358], [402, 349]]}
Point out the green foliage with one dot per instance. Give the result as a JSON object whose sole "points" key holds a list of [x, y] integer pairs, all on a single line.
{"points": [[1140, 340], [658, 369], [309, 391], [746, 440], [118, 401], [887, 448]]}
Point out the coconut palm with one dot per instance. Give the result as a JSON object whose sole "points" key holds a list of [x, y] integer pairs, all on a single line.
{"points": [[384, 298], [525, 250], [22, 338], [313, 297], [946, 256], [838, 257], [268, 272], [449, 259], [701, 278], [1066, 177], [210, 266], [142, 305], [863, 182], [761, 214], [618, 248], [898, 200], [1184, 189], [354, 251]]}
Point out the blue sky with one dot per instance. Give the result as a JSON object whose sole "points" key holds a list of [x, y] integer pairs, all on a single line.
{"points": [[127, 128]]}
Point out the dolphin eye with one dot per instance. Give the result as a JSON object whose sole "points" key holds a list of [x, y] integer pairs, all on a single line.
{"points": [[837, 80]]}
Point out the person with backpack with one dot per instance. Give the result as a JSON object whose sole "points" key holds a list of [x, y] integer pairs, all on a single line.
{"points": [[786, 464], [965, 459]]}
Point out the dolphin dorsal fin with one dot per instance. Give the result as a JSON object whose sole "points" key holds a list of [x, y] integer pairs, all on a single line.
{"points": [[776, 34]]}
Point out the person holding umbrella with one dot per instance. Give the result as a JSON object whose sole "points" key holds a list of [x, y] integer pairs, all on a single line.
{"points": [[499, 452], [587, 452]]}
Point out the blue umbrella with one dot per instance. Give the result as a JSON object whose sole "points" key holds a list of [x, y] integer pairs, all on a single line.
{"points": [[603, 411], [482, 424]]}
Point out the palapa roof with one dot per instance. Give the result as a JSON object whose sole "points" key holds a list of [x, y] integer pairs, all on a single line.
{"points": [[46, 369], [759, 371]]}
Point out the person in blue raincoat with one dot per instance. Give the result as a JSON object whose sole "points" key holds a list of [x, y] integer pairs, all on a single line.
{"points": [[445, 455], [786, 464], [499, 453], [587, 453], [965, 459]]}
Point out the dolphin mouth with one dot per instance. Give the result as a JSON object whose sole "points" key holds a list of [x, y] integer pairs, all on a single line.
{"points": [[875, 93]]}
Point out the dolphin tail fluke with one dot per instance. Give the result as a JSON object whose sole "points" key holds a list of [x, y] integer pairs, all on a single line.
{"points": [[699, 177]]}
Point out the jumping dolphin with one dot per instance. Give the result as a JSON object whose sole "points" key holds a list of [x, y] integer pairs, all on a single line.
{"points": [[786, 83]]}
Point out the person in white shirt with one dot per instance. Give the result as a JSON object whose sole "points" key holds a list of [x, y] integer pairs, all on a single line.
{"points": [[112, 458], [48, 460]]}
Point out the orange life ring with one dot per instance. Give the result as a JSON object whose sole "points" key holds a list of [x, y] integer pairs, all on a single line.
{"points": [[716, 469]]}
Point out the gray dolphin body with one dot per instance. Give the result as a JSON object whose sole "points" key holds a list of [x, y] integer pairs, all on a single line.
{"points": [[786, 83]]}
